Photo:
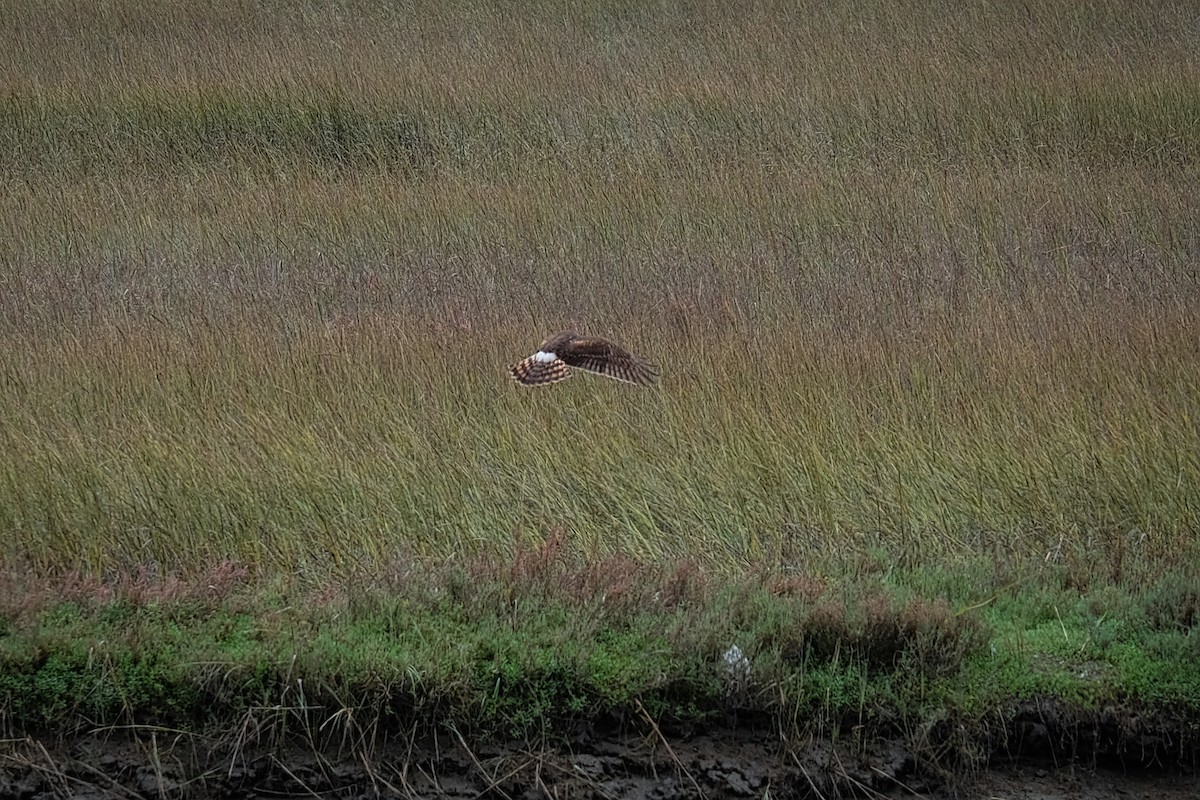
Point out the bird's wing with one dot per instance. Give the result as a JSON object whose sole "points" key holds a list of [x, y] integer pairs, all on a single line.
{"points": [[602, 357]]}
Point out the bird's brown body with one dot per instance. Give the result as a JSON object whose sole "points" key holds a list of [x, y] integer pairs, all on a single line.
{"points": [[557, 354]]}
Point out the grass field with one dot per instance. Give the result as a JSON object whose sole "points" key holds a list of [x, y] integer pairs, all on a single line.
{"points": [[922, 279]]}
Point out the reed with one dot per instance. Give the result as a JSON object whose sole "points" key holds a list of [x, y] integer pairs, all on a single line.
{"points": [[922, 281]]}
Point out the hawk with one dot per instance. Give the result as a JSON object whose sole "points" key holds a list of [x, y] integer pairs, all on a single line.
{"points": [[555, 356]]}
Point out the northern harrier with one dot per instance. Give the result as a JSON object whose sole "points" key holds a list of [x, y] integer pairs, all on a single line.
{"points": [[552, 362]]}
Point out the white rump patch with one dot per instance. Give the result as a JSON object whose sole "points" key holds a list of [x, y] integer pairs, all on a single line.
{"points": [[544, 357]]}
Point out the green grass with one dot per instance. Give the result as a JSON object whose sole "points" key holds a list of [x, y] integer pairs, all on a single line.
{"points": [[921, 280], [537, 645]]}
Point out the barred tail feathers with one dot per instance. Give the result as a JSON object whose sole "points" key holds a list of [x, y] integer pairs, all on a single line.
{"points": [[535, 371]]}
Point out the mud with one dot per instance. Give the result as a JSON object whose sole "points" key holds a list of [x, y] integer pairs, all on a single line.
{"points": [[148, 763]]}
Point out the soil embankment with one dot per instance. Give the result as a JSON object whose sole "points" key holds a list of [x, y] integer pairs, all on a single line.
{"points": [[730, 762]]}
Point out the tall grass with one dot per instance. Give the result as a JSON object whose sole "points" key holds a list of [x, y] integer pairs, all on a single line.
{"points": [[922, 280], [372, 441]]}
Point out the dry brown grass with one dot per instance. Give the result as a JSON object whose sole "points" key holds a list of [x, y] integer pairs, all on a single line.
{"points": [[923, 278]]}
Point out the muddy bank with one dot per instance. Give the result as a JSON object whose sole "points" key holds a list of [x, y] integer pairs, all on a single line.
{"points": [[731, 765], [731, 762]]}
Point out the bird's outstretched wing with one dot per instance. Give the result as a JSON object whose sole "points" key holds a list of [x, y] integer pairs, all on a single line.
{"points": [[594, 354]]}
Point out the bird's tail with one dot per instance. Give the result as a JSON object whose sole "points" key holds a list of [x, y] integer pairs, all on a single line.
{"points": [[535, 372]]}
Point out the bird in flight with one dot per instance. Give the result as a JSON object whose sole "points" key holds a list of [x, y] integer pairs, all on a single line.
{"points": [[555, 356]]}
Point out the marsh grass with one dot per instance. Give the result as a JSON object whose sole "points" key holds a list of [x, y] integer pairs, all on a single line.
{"points": [[342, 446], [922, 282]]}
